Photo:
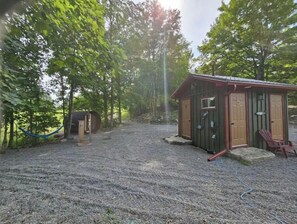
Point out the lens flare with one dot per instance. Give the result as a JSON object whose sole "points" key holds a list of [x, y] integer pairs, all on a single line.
{"points": [[170, 4]]}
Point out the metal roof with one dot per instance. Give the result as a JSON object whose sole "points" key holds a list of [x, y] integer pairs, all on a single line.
{"points": [[229, 80]]}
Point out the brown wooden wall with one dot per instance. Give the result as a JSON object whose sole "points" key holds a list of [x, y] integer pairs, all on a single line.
{"points": [[186, 95]]}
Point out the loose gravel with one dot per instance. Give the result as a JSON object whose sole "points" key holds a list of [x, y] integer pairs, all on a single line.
{"points": [[132, 176]]}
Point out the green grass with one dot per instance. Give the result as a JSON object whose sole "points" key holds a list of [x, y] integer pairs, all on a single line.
{"points": [[20, 140], [125, 115]]}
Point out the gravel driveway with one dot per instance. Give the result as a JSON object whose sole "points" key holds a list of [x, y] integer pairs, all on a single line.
{"points": [[133, 176]]}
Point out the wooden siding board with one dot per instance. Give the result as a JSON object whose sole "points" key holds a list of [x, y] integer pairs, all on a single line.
{"points": [[250, 118], [254, 122], [214, 131], [220, 125], [202, 131], [263, 118], [267, 118], [254, 119], [197, 112], [267, 112], [179, 117], [194, 120], [194, 117], [196, 137], [286, 118], [227, 121], [209, 130], [258, 118]]}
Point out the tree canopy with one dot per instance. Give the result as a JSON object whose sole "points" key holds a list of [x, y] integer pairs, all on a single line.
{"points": [[254, 39], [106, 56], [114, 55]]}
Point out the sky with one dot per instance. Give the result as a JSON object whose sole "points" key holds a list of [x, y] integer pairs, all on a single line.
{"points": [[197, 16]]}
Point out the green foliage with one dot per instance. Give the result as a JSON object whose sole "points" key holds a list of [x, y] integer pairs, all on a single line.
{"points": [[106, 56], [56, 37], [40, 119], [88, 102], [75, 40], [160, 35], [253, 39]]}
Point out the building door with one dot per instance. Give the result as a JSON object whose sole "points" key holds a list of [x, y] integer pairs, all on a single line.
{"points": [[186, 118], [238, 119], [276, 116]]}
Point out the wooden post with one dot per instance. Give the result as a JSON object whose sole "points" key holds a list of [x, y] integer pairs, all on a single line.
{"points": [[81, 131], [90, 127], [81, 134]]}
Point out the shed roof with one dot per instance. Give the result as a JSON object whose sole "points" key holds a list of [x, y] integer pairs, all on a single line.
{"points": [[80, 115], [229, 80]]}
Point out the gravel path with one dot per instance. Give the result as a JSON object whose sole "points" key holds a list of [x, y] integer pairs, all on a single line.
{"points": [[132, 176]]}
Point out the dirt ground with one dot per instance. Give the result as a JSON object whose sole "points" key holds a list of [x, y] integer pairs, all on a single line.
{"points": [[132, 176]]}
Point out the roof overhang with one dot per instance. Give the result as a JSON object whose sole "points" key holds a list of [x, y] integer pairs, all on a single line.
{"points": [[221, 81]]}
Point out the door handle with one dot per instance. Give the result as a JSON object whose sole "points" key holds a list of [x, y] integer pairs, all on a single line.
{"points": [[272, 122], [232, 123]]}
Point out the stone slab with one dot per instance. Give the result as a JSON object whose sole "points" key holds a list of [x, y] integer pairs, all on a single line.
{"points": [[177, 140], [82, 144], [250, 154]]}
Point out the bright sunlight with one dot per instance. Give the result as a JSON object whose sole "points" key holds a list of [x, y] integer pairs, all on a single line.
{"points": [[170, 4]]}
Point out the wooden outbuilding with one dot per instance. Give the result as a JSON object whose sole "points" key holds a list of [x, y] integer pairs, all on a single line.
{"points": [[91, 117], [222, 112]]}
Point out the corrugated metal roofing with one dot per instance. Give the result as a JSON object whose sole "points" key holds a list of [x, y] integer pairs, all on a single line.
{"points": [[229, 80], [245, 80]]}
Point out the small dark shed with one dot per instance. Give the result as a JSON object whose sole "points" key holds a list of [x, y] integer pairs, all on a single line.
{"points": [[221, 112], [88, 117]]}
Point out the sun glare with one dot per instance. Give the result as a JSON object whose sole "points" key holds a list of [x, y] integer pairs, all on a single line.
{"points": [[170, 4]]}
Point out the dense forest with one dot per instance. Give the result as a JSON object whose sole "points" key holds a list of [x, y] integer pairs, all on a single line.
{"points": [[111, 56], [105, 56]]}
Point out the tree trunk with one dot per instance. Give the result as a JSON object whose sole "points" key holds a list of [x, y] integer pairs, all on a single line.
{"points": [[0, 104], [70, 109], [31, 113], [105, 98], [261, 67], [119, 96], [261, 70], [154, 98], [1, 62], [11, 130], [4, 142], [154, 86], [120, 105], [63, 104], [213, 68], [111, 103], [1, 151], [255, 68]]}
